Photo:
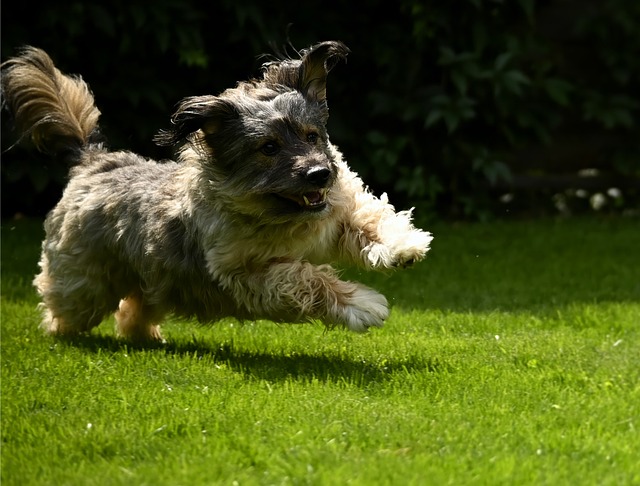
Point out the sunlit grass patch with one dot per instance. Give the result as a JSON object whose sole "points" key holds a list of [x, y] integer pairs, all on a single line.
{"points": [[510, 357]]}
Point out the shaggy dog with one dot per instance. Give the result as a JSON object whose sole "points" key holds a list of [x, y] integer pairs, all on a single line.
{"points": [[244, 223]]}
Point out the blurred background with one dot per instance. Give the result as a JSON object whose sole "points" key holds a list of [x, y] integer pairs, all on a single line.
{"points": [[466, 109]]}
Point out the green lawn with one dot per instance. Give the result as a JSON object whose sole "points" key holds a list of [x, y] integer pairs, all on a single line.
{"points": [[512, 356]]}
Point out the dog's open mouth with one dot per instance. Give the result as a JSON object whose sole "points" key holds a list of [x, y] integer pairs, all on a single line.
{"points": [[313, 200]]}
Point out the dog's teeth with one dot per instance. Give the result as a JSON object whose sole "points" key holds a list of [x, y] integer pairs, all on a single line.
{"points": [[312, 199]]}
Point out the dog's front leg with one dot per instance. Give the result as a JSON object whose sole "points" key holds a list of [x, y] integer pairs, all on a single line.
{"points": [[297, 291], [376, 236]]}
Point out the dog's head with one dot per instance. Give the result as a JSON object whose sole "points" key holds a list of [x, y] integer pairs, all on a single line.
{"points": [[263, 146]]}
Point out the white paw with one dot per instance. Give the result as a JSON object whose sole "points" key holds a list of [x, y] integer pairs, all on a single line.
{"points": [[363, 309], [399, 250]]}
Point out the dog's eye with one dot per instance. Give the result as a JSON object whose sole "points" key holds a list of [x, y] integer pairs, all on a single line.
{"points": [[312, 138], [270, 148]]}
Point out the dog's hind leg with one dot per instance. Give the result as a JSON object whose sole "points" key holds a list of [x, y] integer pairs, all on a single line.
{"points": [[57, 322], [137, 321], [70, 308]]}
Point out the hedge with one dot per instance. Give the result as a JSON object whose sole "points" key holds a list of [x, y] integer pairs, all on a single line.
{"points": [[466, 109]]}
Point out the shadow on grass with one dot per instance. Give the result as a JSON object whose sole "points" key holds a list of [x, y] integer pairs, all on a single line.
{"points": [[274, 365]]}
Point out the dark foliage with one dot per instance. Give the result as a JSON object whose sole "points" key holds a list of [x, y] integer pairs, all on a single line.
{"points": [[466, 108]]}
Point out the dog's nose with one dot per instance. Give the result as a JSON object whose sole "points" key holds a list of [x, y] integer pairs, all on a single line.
{"points": [[318, 175]]}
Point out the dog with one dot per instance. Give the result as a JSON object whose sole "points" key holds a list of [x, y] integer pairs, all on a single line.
{"points": [[244, 223]]}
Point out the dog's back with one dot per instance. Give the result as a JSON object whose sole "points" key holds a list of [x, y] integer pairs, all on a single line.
{"points": [[54, 112]]}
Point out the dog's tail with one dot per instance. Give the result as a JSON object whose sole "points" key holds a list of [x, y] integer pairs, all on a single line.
{"points": [[53, 111]]}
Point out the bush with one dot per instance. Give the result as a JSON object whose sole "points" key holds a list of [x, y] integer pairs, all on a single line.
{"points": [[446, 105]]}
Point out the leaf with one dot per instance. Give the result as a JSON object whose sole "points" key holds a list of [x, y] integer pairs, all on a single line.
{"points": [[376, 137], [518, 77], [558, 90], [433, 117], [102, 19], [194, 57], [502, 60], [452, 121], [163, 36], [460, 81], [440, 100], [513, 81], [528, 7], [498, 171], [447, 56]]}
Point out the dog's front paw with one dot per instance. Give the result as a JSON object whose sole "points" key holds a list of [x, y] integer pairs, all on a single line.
{"points": [[362, 309], [400, 250], [412, 249]]}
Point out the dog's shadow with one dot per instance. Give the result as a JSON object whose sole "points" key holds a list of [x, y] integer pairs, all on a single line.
{"points": [[274, 366]]}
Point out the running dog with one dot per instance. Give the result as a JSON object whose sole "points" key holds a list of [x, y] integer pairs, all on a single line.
{"points": [[245, 222]]}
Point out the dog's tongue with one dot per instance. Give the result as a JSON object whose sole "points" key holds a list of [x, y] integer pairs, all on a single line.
{"points": [[314, 197]]}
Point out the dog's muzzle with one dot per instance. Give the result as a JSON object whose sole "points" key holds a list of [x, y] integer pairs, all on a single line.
{"points": [[315, 199], [318, 175], [312, 200]]}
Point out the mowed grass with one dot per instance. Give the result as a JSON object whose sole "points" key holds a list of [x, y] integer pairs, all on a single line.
{"points": [[512, 356]]}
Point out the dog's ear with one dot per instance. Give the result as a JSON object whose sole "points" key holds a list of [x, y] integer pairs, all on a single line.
{"points": [[206, 113], [315, 66], [308, 74]]}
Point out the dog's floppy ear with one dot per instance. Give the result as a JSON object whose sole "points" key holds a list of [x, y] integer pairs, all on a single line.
{"points": [[315, 66], [308, 74], [206, 113]]}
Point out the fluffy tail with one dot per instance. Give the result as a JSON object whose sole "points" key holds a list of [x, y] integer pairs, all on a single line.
{"points": [[53, 111]]}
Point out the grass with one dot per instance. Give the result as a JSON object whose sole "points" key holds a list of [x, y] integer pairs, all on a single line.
{"points": [[511, 357]]}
